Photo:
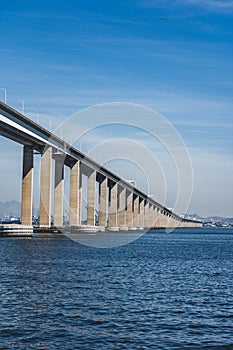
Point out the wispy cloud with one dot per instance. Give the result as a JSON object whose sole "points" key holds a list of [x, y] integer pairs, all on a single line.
{"points": [[184, 108], [217, 5], [212, 5]]}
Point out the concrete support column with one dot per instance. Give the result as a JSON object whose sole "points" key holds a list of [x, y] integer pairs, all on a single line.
{"points": [[162, 219], [166, 220], [27, 186], [182, 224], [112, 216], [91, 194], [58, 192], [122, 207], [75, 194], [129, 209], [157, 217], [151, 215], [172, 221], [147, 215], [45, 187], [103, 202], [136, 211], [142, 213], [154, 216], [175, 222]]}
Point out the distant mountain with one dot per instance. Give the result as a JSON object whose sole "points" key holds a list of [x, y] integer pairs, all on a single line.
{"points": [[219, 219], [209, 218], [10, 208]]}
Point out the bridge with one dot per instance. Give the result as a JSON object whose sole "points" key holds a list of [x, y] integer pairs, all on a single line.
{"points": [[121, 206]]}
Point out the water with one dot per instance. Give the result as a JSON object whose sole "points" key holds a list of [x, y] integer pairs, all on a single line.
{"points": [[163, 291]]}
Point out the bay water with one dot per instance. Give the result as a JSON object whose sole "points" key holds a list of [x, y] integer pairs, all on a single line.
{"points": [[162, 291]]}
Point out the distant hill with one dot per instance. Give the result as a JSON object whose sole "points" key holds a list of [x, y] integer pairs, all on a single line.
{"points": [[209, 218], [10, 208], [219, 219]]}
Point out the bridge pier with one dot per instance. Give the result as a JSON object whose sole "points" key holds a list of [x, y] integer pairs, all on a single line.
{"points": [[151, 220], [45, 187], [156, 216], [27, 186], [103, 192], [58, 191], [153, 216], [75, 194], [91, 195], [161, 218], [141, 212], [129, 208], [122, 207], [112, 214], [136, 211], [147, 215]]}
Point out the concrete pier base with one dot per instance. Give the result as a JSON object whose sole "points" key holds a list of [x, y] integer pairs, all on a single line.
{"points": [[123, 228], [113, 229], [85, 229]]}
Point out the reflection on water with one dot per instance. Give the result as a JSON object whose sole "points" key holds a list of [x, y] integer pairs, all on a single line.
{"points": [[163, 291], [105, 239]]}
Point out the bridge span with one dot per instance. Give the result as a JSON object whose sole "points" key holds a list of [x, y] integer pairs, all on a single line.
{"points": [[121, 206]]}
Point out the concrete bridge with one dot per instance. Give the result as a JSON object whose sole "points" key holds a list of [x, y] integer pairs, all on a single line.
{"points": [[121, 205]]}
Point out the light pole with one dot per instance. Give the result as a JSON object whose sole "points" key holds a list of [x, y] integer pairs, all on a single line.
{"points": [[5, 93], [22, 101]]}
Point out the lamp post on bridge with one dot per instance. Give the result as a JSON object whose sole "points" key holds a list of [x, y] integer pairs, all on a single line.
{"points": [[5, 93], [22, 101]]}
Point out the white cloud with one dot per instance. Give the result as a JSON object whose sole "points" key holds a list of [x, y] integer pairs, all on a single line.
{"points": [[214, 5], [217, 5]]}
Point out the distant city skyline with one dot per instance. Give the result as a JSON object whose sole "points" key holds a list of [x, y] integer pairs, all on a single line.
{"points": [[58, 58]]}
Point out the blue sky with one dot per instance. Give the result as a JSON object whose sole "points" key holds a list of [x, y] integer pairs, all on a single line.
{"points": [[62, 56]]}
